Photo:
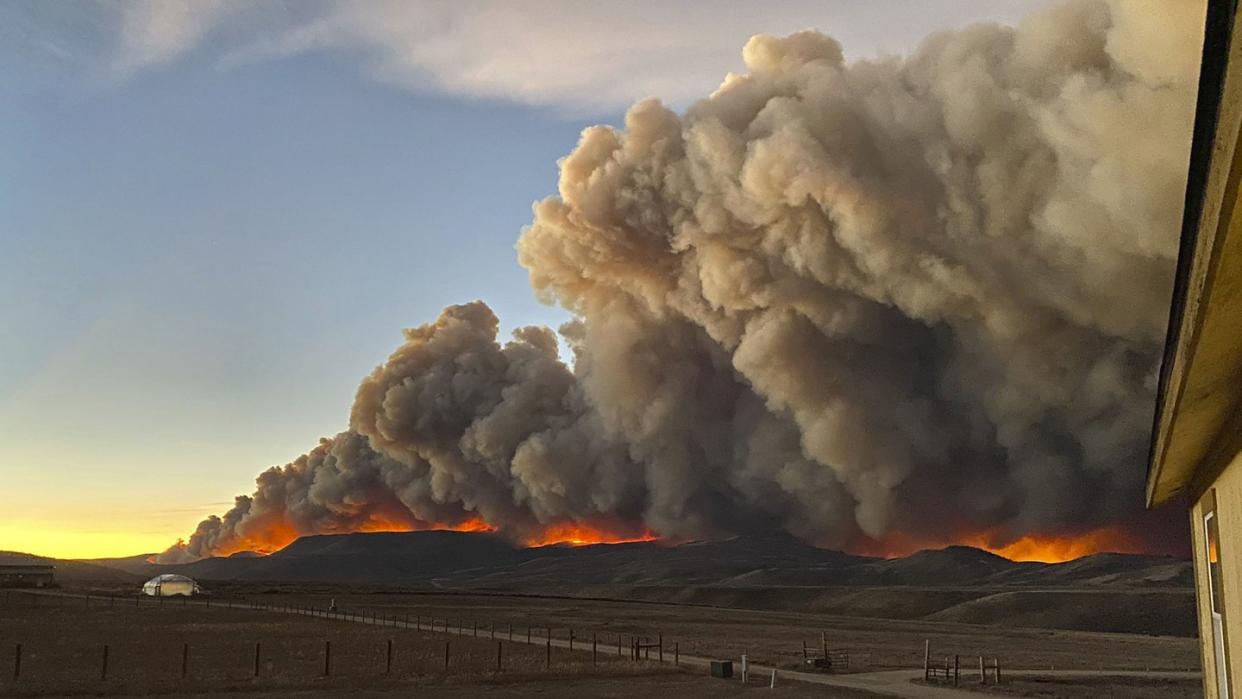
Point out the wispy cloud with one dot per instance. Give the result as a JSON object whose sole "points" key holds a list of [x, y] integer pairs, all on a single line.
{"points": [[557, 52], [158, 31], [580, 56]]}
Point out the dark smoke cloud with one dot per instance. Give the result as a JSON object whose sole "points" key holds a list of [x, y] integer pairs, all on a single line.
{"points": [[920, 294]]}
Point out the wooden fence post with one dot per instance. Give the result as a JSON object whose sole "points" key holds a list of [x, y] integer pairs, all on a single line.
{"points": [[594, 649], [17, 662], [618, 645], [823, 642], [804, 651], [996, 662], [327, 658], [446, 656], [676, 655], [185, 659], [476, 628], [103, 672], [571, 640], [926, 659], [956, 670], [548, 662], [661, 647], [983, 674], [256, 659], [499, 654], [388, 659]]}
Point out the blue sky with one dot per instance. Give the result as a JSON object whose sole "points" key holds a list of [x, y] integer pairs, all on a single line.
{"points": [[215, 217]]}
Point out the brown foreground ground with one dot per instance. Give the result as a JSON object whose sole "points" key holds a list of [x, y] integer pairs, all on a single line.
{"points": [[681, 685], [1098, 688], [62, 641], [768, 637]]}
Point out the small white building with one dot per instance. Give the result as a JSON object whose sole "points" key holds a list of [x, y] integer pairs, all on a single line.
{"points": [[169, 584]]}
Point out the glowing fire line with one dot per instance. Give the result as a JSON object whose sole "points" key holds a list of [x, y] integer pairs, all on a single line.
{"points": [[275, 535], [1042, 548]]}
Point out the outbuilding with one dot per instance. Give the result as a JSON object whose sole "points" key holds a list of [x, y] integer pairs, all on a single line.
{"points": [[26, 575], [169, 584]]}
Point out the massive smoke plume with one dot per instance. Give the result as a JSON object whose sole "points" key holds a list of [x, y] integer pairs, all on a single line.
{"points": [[922, 295]]}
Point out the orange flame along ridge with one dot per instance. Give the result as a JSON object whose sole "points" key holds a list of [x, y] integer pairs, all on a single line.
{"points": [[1059, 549], [277, 535], [1040, 548], [1044, 548], [578, 534]]}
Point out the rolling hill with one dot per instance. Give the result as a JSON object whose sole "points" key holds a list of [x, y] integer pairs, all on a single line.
{"points": [[72, 571], [485, 561], [1104, 592]]}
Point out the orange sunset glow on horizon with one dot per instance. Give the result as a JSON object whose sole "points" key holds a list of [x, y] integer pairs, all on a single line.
{"points": [[76, 543]]}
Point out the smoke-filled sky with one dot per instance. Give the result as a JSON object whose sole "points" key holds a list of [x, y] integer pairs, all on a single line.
{"points": [[837, 297]]}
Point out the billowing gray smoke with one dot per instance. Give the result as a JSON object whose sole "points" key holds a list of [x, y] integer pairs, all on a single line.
{"points": [[922, 294]]}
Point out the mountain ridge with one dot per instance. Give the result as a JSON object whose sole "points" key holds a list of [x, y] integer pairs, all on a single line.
{"points": [[480, 560], [1102, 592]]}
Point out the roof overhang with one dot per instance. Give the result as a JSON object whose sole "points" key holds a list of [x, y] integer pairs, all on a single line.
{"points": [[1197, 424]]}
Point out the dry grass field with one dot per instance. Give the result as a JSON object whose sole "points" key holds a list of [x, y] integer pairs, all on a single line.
{"points": [[63, 638], [1098, 688], [62, 641], [680, 685], [768, 637]]}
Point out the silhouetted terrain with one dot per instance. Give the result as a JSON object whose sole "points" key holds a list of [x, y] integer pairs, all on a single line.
{"points": [[480, 560], [1104, 592], [71, 571]]}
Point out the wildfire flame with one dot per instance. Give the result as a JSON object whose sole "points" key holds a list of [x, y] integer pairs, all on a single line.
{"points": [[578, 534], [1059, 549], [276, 535], [272, 536], [265, 540], [1042, 548]]}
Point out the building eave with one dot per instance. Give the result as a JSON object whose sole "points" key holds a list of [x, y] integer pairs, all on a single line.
{"points": [[1195, 397]]}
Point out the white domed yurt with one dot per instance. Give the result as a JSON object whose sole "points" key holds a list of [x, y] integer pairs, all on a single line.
{"points": [[169, 584]]}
